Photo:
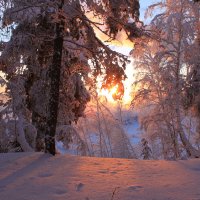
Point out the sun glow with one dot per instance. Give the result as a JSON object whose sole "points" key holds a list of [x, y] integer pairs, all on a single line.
{"points": [[110, 93], [122, 45]]}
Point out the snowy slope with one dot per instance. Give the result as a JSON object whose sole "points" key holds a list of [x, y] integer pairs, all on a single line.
{"points": [[36, 176]]}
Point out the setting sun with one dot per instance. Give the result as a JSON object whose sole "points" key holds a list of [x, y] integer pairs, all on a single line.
{"points": [[108, 93], [112, 94]]}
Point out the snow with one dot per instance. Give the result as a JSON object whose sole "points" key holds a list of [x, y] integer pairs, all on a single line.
{"points": [[132, 129], [38, 176]]}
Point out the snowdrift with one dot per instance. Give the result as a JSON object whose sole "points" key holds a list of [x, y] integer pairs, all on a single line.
{"points": [[37, 176]]}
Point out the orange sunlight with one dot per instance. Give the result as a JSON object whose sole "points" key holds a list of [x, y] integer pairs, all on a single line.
{"points": [[109, 93], [123, 45]]}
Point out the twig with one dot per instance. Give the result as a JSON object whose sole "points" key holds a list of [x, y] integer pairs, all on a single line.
{"points": [[114, 193]]}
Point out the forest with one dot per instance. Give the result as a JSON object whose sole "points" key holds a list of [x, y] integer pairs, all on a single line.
{"points": [[57, 58], [99, 99]]}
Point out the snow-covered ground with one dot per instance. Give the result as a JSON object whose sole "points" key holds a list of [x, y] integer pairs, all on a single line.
{"points": [[36, 176]]}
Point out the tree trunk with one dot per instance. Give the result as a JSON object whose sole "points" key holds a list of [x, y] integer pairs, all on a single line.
{"points": [[39, 123], [191, 151], [21, 138], [54, 77]]}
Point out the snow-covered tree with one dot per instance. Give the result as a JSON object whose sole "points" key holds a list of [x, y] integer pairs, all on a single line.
{"points": [[163, 69], [103, 132], [52, 49], [146, 150]]}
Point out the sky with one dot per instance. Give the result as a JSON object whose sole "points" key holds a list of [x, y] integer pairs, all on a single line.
{"points": [[143, 6]]}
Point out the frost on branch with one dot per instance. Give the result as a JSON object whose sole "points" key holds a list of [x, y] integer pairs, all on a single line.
{"points": [[166, 65], [29, 55]]}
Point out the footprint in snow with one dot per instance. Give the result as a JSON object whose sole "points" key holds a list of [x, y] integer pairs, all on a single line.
{"points": [[79, 187], [60, 191], [113, 172], [196, 169], [44, 175], [120, 163], [96, 163], [135, 187], [103, 171]]}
